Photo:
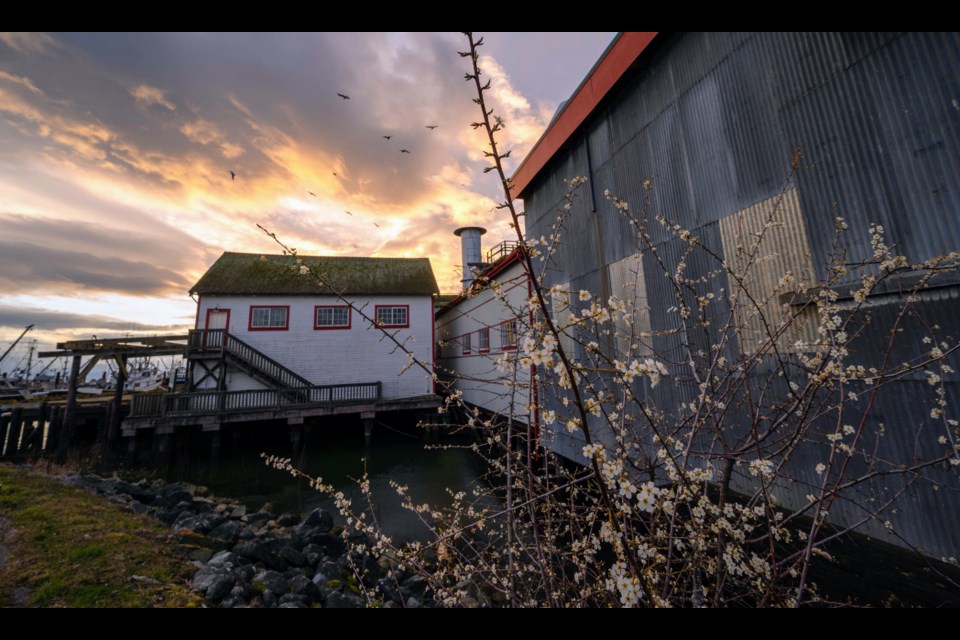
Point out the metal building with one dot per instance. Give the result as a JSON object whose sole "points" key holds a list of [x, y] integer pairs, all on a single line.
{"points": [[717, 130]]}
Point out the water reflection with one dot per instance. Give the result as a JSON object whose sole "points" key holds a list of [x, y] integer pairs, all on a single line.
{"points": [[339, 460]]}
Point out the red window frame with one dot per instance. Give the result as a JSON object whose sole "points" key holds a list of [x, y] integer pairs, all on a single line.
{"points": [[376, 315], [339, 327], [465, 343], [516, 335], [285, 327], [483, 332]]}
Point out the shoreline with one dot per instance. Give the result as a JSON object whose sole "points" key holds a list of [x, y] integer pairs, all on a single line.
{"points": [[243, 558]]}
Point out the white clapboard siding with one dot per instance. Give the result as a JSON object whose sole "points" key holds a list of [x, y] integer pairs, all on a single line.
{"points": [[482, 383], [342, 356]]}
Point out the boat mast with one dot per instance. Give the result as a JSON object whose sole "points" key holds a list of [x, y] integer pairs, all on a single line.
{"points": [[33, 345], [10, 348]]}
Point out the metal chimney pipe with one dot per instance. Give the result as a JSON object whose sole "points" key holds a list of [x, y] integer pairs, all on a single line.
{"points": [[470, 249]]}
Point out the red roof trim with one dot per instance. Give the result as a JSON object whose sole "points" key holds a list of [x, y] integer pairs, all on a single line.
{"points": [[618, 57]]}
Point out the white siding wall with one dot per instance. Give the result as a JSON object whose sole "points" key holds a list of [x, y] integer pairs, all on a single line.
{"points": [[342, 356], [478, 378]]}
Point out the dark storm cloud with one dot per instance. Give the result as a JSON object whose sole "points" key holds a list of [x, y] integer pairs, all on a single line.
{"points": [[47, 320], [42, 255]]}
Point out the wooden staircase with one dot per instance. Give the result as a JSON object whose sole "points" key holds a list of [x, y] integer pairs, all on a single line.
{"points": [[218, 343]]}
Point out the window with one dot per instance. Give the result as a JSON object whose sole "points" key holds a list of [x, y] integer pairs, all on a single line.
{"points": [[269, 318], [508, 335], [393, 317], [331, 317], [465, 341], [483, 340]]}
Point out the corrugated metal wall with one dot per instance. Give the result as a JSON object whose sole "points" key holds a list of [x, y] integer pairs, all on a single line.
{"points": [[712, 121]]}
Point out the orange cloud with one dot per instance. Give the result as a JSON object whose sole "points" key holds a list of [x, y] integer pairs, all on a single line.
{"points": [[22, 81], [175, 167], [146, 96], [27, 42]]}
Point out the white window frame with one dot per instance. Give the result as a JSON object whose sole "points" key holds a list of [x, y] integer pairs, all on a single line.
{"points": [[392, 316]]}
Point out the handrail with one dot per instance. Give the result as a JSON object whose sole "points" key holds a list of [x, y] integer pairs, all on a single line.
{"points": [[216, 402], [216, 340]]}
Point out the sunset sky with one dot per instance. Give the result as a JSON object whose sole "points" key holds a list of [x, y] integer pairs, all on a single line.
{"points": [[115, 153]]}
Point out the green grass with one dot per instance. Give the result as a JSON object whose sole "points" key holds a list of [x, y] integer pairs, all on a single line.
{"points": [[70, 548]]}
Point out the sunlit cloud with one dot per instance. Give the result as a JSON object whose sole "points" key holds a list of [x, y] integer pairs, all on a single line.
{"points": [[27, 42], [205, 132], [20, 80], [147, 96], [116, 153]]}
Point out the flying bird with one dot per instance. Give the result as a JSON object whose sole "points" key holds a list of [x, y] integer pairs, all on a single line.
{"points": [[404, 151], [233, 176], [376, 225], [312, 193], [432, 126], [344, 96], [347, 212], [386, 137]]}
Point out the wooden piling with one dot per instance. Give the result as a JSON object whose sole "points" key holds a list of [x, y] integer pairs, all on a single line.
{"points": [[33, 435], [16, 426], [70, 412], [4, 427], [215, 442], [368, 431], [53, 433], [113, 430]]}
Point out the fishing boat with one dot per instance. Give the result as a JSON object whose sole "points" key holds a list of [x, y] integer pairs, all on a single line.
{"points": [[146, 379]]}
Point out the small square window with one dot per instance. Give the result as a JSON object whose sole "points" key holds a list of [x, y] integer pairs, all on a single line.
{"points": [[331, 317]]}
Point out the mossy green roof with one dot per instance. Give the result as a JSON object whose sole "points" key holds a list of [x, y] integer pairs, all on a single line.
{"points": [[259, 274]]}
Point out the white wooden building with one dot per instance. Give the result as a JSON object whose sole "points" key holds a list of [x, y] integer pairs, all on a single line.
{"points": [[285, 327], [479, 331]]}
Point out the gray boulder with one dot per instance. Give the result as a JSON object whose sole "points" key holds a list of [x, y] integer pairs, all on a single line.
{"points": [[294, 598], [224, 558], [302, 585], [263, 550], [220, 587], [229, 531], [208, 576], [274, 581], [343, 600], [171, 495], [288, 520], [317, 522]]}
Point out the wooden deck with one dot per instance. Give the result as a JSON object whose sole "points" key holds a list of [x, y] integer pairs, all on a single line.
{"points": [[210, 409]]}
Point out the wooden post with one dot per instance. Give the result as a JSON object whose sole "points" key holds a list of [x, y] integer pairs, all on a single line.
{"points": [[190, 385], [35, 441], [69, 413], [4, 426], [16, 425], [182, 439], [296, 435], [215, 446], [161, 446], [53, 433], [113, 431], [367, 431]]}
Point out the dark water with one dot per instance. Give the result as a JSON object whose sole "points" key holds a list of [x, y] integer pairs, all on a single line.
{"points": [[339, 456]]}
